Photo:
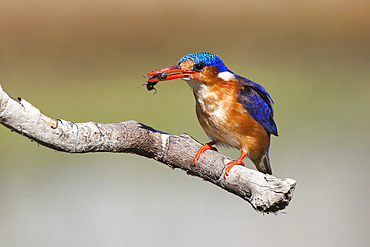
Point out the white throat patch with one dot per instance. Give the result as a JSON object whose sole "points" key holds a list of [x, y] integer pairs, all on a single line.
{"points": [[226, 75]]}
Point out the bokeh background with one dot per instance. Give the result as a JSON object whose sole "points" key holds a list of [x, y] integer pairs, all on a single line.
{"points": [[84, 61]]}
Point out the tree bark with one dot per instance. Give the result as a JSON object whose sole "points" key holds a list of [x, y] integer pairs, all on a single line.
{"points": [[265, 193]]}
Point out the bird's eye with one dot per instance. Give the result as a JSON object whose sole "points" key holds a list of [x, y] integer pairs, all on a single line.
{"points": [[198, 67]]}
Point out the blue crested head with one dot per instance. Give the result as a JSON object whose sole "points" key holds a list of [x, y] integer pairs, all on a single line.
{"points": [[207, 58]]}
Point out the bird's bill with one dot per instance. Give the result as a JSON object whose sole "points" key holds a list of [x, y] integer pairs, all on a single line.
{"points": [[169, 73]]}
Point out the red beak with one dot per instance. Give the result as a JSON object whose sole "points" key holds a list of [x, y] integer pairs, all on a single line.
{"points": [[169, 73]]}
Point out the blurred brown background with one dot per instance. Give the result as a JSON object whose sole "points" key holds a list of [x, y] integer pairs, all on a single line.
{"points": [[83, 61]]}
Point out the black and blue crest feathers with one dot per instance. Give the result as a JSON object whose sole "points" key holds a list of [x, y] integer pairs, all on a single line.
{"points": [[207, 58]]}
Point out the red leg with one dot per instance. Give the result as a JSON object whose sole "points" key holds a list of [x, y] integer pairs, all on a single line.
{"points": [[204, 148], [233, 163]]}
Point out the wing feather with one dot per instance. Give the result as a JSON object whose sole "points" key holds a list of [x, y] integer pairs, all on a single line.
{"points": [[258, 103]]}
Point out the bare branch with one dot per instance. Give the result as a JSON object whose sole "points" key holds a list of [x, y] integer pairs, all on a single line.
{"points": [[265, 193]]}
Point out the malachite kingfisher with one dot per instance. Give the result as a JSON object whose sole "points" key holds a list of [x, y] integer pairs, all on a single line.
{"points": [[231, 109]]}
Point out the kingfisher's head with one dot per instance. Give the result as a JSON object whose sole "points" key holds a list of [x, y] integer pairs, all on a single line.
{"points": [[203, 67]]}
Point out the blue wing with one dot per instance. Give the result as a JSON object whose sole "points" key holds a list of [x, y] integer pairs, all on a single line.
{"points": [[258, 103]]}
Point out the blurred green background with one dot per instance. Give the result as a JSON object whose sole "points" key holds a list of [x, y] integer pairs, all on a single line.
{"points": [[83, 61]]}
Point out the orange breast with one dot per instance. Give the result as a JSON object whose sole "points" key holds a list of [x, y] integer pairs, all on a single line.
{"points": [[224, 119]]}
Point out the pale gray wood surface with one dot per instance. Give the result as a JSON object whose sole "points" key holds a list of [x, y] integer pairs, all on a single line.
{"points": [[265, 193]]}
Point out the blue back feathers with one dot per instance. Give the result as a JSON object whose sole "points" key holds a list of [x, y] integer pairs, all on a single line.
{"points": [[252, 96], [258, 103]]}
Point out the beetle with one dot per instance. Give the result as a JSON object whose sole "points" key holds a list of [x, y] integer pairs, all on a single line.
{"points": [[154, 79]]}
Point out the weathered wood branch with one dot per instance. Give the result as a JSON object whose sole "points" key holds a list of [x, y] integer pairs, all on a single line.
{"points": [[265, 193]]}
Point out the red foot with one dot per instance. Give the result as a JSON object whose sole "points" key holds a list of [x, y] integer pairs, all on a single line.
{"points": [[203, 149], [234, 163]]}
